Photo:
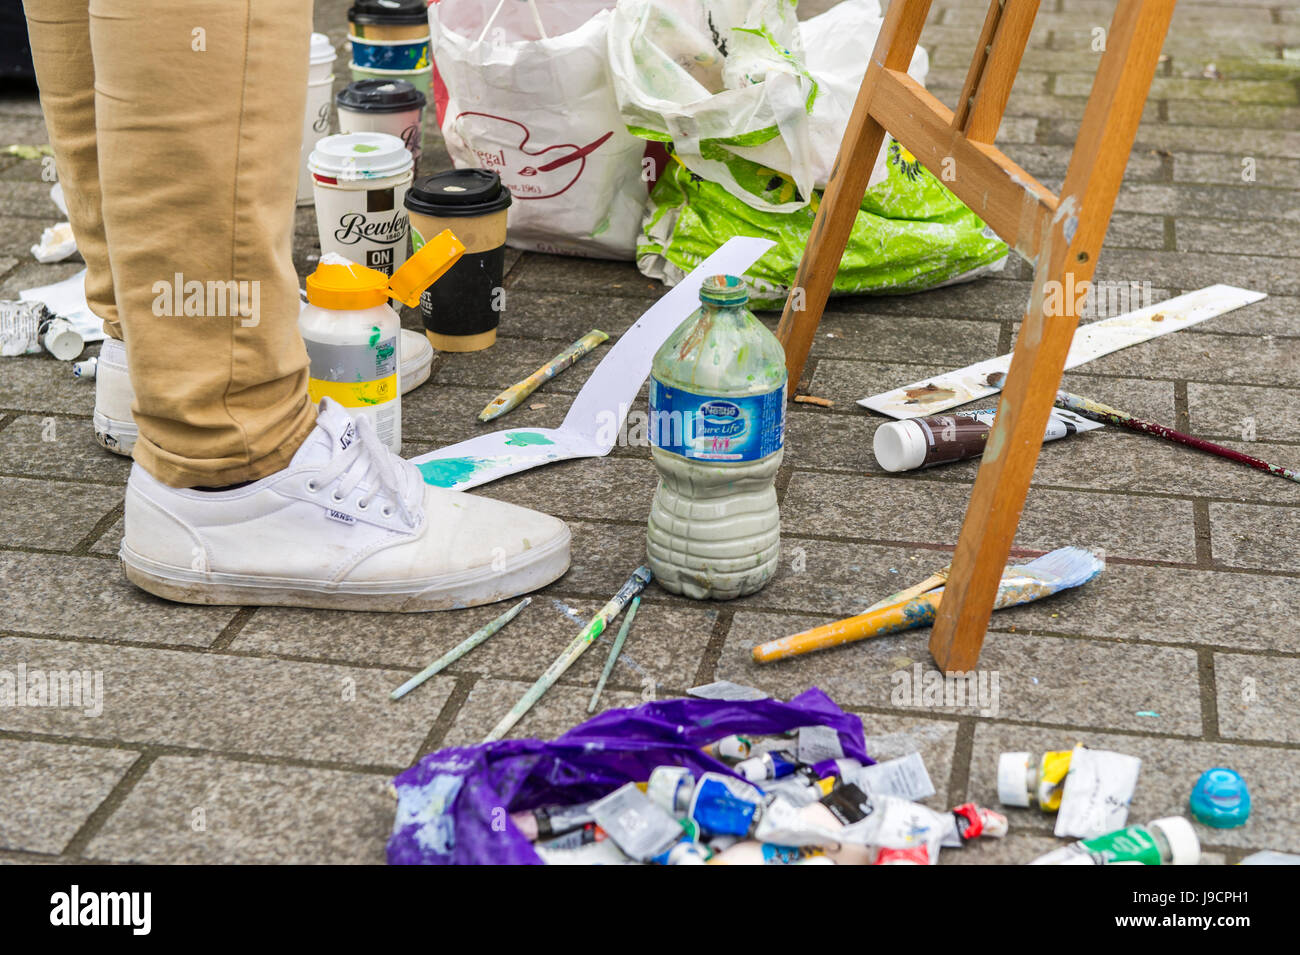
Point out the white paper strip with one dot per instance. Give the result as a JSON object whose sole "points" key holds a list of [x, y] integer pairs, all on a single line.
{"points": [[934, 395], [596, 416]]}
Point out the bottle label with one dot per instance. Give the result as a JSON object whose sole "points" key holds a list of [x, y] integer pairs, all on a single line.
{"points": [[708, 428], [356, 376]]}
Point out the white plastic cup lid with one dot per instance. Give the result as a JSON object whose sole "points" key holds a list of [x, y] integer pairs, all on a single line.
{"points": [[62, 340], [899, 446], [1013, 779], [1184, 847], [356, 157], [322, 50]]}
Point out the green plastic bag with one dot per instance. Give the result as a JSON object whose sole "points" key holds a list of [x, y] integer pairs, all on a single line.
{"points": [[911, 233]]}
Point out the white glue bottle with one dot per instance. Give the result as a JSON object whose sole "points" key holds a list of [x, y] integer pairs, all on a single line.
{"points": [[352, 333], [717, 425]]}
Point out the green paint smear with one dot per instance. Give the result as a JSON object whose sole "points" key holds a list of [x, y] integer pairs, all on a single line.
{"points": [[363, 148], [374, 335], [448, 472], [522, 439]]}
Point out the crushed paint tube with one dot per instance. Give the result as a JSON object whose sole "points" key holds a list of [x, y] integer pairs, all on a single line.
{"points": [[903, 778], [1024, 781], [514, 396], [933, 395], [729, 749], [639, 826], [21, 327], [57, 243], [549, 822], [598, 415], [726, 690], [1098, 789], [943, 439], [1168, 841], [1220, 799], [1061, 569]]}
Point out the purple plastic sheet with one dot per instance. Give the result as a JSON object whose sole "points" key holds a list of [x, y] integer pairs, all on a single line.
{"points": [[453, 806]]}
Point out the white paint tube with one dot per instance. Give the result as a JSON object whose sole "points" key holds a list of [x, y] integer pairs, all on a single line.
{"points": [[1168, 841], [943, 439], [1097, 793]]}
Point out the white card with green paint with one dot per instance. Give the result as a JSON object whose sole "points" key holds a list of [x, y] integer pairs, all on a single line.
{"points": [[596, 416]]}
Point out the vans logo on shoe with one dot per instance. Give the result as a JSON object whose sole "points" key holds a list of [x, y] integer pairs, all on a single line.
{"points": [[339, 516], [348, 436]]}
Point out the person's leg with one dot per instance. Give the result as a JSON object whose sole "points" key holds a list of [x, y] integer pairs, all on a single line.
{"points": [[198, 109], [59, 31]]}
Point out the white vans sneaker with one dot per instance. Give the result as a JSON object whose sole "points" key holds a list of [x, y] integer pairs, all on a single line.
{"points": [[115, 428], [347, 525]]}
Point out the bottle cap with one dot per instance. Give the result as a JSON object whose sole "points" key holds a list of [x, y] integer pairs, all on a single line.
{"points": [[339, 283], [725, 290], [899, 446], [1220, 799], [1013, 779], [1184, 847]]}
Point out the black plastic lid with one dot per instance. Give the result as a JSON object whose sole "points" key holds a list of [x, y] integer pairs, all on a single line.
{"points": [[383, 12], [458, 192], [380, 96]]}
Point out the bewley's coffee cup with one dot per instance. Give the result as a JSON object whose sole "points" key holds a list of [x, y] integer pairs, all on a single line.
{"points": [[360, 181], [461, 312], [383, 106]]}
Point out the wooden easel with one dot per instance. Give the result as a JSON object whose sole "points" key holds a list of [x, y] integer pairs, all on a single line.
{"points": [[1061, 235]]}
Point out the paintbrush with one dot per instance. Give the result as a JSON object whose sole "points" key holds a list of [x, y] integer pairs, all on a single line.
{"points": [[614, 652], [459, 650], [635, 584], [937, 579], [513, 396], [1104, 413], [1041, 577]]}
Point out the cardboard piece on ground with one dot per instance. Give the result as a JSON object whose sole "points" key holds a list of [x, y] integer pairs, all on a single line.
{"points": [[596, 417], [934, 395]]}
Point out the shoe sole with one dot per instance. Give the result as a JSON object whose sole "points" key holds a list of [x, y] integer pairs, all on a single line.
{"points": [[535, 569], [116, 436]]}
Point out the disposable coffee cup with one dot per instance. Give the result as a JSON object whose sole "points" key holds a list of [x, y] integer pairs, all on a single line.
{"points": [[383, 106], [391, 54], [360, 181], [422, 80], [316, 117], [461, 312], [389, 20]]}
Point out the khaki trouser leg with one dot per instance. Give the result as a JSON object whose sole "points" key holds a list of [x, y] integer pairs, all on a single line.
{"points": [[198, 115], [60, 39]]}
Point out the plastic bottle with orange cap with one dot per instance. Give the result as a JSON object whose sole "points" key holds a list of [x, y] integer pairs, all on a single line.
{"points": [[352, 332]]}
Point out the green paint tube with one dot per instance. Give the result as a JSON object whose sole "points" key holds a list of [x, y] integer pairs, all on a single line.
{"points": [[1168, 841]]}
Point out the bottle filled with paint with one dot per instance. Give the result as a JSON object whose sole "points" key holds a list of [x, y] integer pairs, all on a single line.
{"points": [[717, 427], [352, 333]]}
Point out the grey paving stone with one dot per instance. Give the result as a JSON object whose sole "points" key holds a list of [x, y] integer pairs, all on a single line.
{"points": [[567, 316], [52, 515], [1238, 115], [1272, 92], [230, 703], [595, 278], [1272, 316], [894, 337], [512, 359], [90, 599], [1241, 410], [1236, 169], [48, 790], [562, 708], [665, 643], [1066, 682], [926, 511], [56, 447], [110, 541], [1210, 235], [1256, 697], [1255, 535], [1192, 270], [1169, 770], [442, 415], [40, 384], [216, 811]]}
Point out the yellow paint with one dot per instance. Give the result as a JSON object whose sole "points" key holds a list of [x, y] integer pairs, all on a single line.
{"points": [[353, 394]]}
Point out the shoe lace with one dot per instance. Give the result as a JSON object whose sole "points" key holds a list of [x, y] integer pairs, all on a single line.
{"points": [[369, 459]]}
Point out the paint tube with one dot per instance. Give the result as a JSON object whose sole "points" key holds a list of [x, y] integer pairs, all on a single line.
{"points": [[774, 765], [800, 789], [1024, 781], [21, 327], [729, 749], [1097, 793], [671, 788], [753, 852], [837, 767], [595, 853], [1168, 841], [683, 852], [725, 806], [971, 821], [548, 822], [643, 829], [85, 369], [904, 777], [582, 836], [943, 439]]}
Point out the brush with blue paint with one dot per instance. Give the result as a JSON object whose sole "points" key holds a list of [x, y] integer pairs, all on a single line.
{"points": [[1041, 577]]}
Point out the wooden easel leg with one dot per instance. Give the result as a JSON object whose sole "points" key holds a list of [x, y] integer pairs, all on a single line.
{"points": [[847, 185], [1068, 255]]}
